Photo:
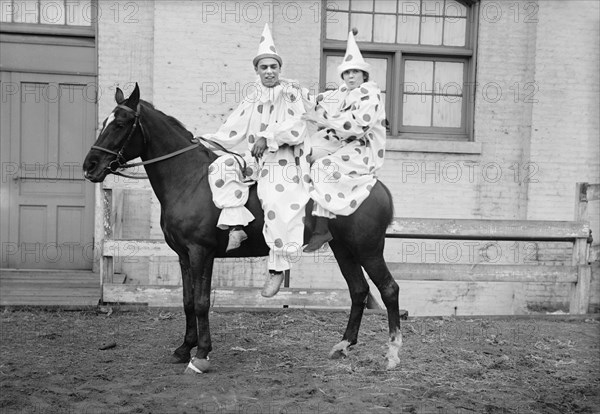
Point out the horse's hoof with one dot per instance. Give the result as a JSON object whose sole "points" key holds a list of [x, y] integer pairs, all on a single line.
{"points": [[339, 350], [197, 366], [338, 354], [392, 363], [393, 353], [178, 359]]}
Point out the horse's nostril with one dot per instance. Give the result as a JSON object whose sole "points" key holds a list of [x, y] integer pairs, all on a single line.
{"points": [[91, 166]]}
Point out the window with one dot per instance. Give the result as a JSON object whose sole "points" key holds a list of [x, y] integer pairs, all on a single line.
{"points": [[72, 17], [423, 57]]}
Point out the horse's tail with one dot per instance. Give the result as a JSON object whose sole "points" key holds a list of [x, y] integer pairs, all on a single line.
{"points": [[390, 218]]}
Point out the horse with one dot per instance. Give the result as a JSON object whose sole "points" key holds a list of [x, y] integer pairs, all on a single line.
{"points": [[177, 166]]}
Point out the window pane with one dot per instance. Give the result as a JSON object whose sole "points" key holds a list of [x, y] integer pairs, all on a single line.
{"points": [[338, 5], [332, 79], [433, 7], [6, 11], [454, 8], [385, 6], [454, 31], [364, 24], [79, 13], [52, 12], [385, 28], [416, 110], [362, 5], [408, 29], [418, 76], [449, 77], [378, 72], [25, 11], [337, 26], [447, 111], [409, 6], [431, 30]]}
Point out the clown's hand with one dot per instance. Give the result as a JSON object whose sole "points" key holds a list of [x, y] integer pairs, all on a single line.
{"points": [[259, 148], [312, 116]]}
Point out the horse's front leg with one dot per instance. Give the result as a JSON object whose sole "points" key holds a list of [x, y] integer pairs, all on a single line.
{"points": [[201, 273], [183, 353], [359, 291]]}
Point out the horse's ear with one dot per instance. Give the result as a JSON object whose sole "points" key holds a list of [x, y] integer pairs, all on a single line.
{"points": [[119, 97], [134, 98]]}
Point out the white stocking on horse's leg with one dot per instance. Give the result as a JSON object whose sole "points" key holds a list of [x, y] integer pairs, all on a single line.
{"points": [[381, 277], [359, 290], [182, 354]]}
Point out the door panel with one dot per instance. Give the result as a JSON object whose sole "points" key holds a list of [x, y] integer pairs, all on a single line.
{"points": [[50, 210]]}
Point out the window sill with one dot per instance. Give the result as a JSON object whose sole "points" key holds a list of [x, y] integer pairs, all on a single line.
{"points": [[439, 146], [47, 29]]}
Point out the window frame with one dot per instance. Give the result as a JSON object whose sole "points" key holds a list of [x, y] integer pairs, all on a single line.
{"points": [[54, 29], [399, 53]]}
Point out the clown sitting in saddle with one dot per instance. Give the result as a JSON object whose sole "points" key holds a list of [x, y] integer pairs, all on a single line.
{"points": [[269, 119]]}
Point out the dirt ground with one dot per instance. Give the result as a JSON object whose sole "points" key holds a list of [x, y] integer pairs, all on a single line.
{"points": [[277, 362]]}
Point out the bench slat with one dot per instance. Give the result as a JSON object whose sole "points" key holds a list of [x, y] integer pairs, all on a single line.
{"points": [[483, 272], [471, 229], [155, 295]]}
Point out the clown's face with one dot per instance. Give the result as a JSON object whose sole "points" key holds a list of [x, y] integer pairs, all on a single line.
{"points": [[268, 69], [353, 78]]}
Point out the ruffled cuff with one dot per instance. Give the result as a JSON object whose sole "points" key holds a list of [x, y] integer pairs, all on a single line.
{"points": [[272, 144]]}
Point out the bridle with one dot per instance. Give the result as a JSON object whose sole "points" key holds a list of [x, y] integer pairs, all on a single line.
{"points": [[120, 163]]}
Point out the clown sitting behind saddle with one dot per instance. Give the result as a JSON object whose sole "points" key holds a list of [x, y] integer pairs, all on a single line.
{"points": [[349, 147], [269, 119]]}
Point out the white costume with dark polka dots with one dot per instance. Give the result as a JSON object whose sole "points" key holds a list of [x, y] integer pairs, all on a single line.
{"points": [[348, 151], [273, 113]]}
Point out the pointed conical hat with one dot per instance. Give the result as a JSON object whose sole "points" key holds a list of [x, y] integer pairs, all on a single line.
{"points": [[353, 58], [266, 48]]}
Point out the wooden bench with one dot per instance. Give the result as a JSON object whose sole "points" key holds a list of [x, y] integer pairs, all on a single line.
{"points": [[578, 273]]}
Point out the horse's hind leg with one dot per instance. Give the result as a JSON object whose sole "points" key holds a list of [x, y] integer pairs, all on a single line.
{"points": [[182, 354], [381, 277], [359, 290]]}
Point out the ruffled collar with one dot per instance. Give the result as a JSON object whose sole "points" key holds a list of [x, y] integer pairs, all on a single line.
{"points": [[348, 97], [367, 86]]}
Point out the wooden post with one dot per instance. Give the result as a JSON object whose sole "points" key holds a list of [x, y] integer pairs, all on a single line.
{"points": [[580, 291], [581, 201], [111, 216]]}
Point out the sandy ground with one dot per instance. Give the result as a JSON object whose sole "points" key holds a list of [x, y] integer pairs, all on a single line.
{"points": [[277, 362]]}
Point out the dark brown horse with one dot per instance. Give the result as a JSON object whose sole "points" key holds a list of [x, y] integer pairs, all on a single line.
{"points": [[177, 167]]}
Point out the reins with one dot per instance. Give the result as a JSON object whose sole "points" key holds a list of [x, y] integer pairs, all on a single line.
{"points": [[116, 164]]}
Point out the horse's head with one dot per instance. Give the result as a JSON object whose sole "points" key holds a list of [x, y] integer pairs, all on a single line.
{"points": [[120, 140]]}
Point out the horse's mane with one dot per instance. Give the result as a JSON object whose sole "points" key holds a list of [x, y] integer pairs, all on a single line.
{"points": [[177, 125], [174, 122]]}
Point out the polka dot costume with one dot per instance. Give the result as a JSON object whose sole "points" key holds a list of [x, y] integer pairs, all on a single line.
{"points": [[273, 113], [348, 151]]}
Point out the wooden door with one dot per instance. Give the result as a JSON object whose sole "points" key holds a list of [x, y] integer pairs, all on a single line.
{"points": [[48, 125]]}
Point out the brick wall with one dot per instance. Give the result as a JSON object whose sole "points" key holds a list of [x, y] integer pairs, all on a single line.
{"points": [[566, 116], [125, 51]]}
